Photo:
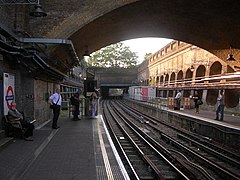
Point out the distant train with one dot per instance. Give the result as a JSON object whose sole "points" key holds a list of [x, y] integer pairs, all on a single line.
{"points": [[142, 93]]}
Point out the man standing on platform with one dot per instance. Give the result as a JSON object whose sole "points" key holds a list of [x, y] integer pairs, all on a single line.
{"points": [[55, 100], [220, 105], [178, 100]]}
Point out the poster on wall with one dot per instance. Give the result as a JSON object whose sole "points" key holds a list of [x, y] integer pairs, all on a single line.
{"points": [[9, 91]]}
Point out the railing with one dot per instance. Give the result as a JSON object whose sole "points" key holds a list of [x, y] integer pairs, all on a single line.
{"points": [[162, 103], [232, 79]]}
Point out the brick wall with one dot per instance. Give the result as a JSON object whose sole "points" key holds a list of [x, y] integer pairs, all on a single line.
{"points": [[64, 17], [30, 94], [115, 75], [41, 107]]}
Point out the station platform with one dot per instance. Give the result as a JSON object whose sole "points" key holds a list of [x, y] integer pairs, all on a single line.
{"points": [[78, 150], [229, 120]]}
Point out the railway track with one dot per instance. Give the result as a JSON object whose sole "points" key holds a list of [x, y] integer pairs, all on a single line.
{"points": [[205, 160], [145, 161]]}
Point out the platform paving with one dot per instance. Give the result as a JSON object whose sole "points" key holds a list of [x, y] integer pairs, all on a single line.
{"points": [[71, 152], [74, 151], [230, 119]]}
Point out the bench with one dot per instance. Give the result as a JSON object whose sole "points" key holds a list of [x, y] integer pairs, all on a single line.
{"points": [[12, 129]]}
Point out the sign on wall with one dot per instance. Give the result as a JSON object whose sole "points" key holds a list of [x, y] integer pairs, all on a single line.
{"points": [[9, 91]]}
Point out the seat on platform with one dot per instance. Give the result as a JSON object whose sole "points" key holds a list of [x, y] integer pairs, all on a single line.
{"points": [[13, 129]]}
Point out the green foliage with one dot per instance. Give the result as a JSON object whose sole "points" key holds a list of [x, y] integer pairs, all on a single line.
{"points": [[116, 55], [147, 55]]}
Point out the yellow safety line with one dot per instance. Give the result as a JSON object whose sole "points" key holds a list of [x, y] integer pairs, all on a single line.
{"points": [[104, 153]]}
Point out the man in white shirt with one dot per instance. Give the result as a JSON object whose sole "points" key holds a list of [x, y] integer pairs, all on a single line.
{"points": [[178, 100], [56, 100]]}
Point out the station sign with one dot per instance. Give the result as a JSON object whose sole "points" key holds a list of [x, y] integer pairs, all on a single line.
{"points": [[9, 91]]}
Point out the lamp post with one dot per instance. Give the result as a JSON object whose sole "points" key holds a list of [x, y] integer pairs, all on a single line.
{"points": [[38, 12], [192, 68]]}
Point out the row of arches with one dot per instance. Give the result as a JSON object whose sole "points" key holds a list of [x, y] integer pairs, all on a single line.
{"points": [[202, 79], [190, 76]]}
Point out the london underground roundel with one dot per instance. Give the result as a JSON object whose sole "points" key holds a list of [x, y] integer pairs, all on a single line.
{"points": [[9, 96]]}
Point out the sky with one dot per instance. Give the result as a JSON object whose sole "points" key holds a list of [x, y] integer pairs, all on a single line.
{"points": [[146, 45]]}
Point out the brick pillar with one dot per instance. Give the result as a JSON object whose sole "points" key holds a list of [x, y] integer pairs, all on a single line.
{"points": [[194, 76], [204, 96], [224, 70]]}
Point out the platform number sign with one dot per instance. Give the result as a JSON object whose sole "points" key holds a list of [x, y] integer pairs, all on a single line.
{"points": [[9, 91]]}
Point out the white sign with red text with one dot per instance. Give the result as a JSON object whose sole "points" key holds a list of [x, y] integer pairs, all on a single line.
{"points": [[9, 91]]}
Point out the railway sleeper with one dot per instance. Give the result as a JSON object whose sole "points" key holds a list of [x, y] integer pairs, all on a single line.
{"points": [[168, 174], [145, 177], [133, 157], [128, 147]]}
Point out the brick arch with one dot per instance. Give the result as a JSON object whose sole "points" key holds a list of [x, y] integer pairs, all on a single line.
{"points": [[215, 69], [189, 75], [212, 95], [230, 100], [157, 80], [166, 79], [100, 23], [180, 75], [172, 78], [200, 73], [161, 79]]}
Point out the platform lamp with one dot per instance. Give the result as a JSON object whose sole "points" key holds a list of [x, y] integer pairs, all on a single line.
{"points": [[230, 55], [38, 12], [192, 68], [86, 54]]}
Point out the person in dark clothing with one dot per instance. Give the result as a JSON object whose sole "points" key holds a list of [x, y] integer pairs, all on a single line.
{"points": [[220, 105], [15, 116], [196, 99], [75, 101]]}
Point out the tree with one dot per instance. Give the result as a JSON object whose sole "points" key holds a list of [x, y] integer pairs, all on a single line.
{"points": [[147, 55], [116, 55]]}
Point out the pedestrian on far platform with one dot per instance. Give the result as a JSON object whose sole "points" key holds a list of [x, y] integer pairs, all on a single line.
{"points": [[178, 100], [197, 100], [220, 105]]}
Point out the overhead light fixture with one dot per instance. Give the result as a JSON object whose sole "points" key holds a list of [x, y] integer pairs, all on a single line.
{"points": [[38, 12], [230, 58], [86, 53], [230, 55]]}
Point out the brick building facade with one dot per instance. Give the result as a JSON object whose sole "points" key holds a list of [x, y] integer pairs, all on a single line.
{"points": [[185, 67]]}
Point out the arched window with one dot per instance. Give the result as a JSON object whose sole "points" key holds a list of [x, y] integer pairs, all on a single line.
{"points": [[200, 73]]}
